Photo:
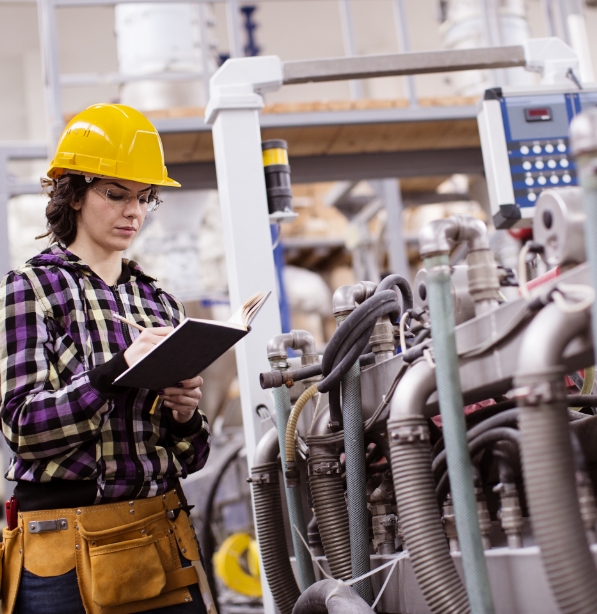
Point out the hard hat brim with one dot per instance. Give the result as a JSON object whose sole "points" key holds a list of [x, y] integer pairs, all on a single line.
{"points": [[57, 171]]}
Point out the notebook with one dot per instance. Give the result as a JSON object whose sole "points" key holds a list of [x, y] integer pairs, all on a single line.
{"points": [[190, 348]]}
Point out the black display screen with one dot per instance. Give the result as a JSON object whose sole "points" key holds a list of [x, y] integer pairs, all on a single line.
{"points": [[538, 114]]}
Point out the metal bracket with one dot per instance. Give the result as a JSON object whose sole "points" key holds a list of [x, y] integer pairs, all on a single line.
{"points": [[45, 526], [538, 394]]}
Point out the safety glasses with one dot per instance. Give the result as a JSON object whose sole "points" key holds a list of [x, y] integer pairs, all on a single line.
{"points": [[119, 197]]}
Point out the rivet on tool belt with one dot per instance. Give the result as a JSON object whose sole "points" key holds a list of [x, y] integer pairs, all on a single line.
{"points": [[43, 526]]}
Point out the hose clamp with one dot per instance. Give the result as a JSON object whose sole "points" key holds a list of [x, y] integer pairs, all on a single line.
{"points": [[260, 478], [410, 434], [540, 393], [325, 468]]}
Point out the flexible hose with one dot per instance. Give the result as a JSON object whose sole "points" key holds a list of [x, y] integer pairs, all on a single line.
{"points": [[475, 445], [295, 414], [397, 281], [356, 487], [294, 497], [267, 501], [329, 596], [547, 459], [206, 537], [329, 504], [451, 403], [420, 519]]}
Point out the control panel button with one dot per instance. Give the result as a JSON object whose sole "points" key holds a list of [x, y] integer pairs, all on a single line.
{"points": [[527, 165], [564, 163], [561, 147], [549, 148], [524, 150], [554, 179], [539, 164], [552, 163], [537, 149], [529, 181], [541, 180], [566, 178], [532, 196]]}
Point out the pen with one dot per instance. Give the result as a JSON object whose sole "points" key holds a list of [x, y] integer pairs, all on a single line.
{"points": [[129, 322]]}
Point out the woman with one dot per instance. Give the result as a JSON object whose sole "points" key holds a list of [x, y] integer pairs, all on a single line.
{"points": [[102, 522]]}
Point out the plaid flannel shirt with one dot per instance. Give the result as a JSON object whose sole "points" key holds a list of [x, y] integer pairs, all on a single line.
{"points": [[60, 350]]}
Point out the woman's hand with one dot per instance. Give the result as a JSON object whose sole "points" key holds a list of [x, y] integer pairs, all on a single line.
{"points": [[183, 399], [145, 342]]}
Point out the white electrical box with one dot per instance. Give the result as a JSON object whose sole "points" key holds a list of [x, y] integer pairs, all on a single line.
{"points": [[524, 139]]}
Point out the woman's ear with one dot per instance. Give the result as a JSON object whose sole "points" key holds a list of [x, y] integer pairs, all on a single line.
{"points": [[77, 205]]}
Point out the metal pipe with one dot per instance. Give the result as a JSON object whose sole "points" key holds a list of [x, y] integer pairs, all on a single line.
{"points": [[270, 529], [293, 495], [329, 596], [547, 458], [415, 493], [329, 504], [435, 247]]}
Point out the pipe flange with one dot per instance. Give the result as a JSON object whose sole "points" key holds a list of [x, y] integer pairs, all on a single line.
{"points": [[410, 434], [540, 394]]}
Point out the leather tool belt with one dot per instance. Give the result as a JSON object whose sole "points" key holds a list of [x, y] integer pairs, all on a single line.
{"points": [[126, 554]]}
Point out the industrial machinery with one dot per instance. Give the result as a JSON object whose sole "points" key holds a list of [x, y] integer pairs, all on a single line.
{"points": [[437, 441], [524, 138]]}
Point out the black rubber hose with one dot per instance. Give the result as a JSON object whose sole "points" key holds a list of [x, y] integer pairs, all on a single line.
{"points": [[420, 518], [276, 378], [505, 418], [329, 504], [327, 596], [267, 502], [363, 311], [475, 446], [206, 537], [582, 400], [336, 366], [397, 281], [380, 442]]}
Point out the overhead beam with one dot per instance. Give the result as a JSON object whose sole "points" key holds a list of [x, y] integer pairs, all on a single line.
{"points": [[346, 167], [396, 64]]}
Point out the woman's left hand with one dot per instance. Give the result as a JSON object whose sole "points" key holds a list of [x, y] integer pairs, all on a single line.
{"points": [[183, 399]]}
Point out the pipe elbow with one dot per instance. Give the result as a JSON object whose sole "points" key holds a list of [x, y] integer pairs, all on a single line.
{"points": [[277, 346], [546, 339], [267, 449], [303, 340], [412, 392], [346, 298], [472, 231], [437, 237]]}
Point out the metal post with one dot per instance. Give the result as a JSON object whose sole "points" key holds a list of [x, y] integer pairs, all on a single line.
{"points": [[205, 48], [549, 17], [403, 39], [564, 12], [4, 198], [492, 33], [51, 66], [356, 87], [234, 34], [233, 110], [392, 198]]}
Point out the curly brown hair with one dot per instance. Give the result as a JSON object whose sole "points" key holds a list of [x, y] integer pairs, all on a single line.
{"points": [[64, 192]]}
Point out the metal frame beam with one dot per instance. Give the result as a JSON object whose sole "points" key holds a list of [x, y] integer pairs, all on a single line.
{"points": [[396, 64]]}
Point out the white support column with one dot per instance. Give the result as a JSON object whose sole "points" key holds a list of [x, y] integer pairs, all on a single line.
{"points": [[234, 112]]}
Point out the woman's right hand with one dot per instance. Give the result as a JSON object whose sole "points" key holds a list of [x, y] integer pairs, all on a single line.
{"points": [[145, 342]]}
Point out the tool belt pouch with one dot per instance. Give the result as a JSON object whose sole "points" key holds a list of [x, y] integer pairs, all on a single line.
{"points": [[128, 563]]}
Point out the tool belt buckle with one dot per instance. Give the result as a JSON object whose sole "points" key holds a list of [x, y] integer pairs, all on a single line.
{"points": [[44, 526]]}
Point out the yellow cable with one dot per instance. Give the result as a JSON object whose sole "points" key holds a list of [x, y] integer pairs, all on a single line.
{"points": [[293, 419], [587, 385]]}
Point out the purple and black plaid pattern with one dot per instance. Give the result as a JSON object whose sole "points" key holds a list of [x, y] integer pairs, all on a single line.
{"points": [[55, 327]]}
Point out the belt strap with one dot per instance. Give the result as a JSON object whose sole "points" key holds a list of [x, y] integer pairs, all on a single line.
{"points": [[181, 577]]}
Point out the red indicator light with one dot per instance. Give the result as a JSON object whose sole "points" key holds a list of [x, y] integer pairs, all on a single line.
{"points": [[538, 114]]}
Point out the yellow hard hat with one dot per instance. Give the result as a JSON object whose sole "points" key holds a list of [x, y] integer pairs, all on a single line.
{"points": [[111, 140]]}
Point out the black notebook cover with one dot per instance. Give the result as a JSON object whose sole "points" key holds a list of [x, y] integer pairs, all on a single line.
{"points": [[192, 347]]}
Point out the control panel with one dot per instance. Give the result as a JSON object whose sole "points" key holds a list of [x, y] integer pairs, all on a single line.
{"points": [[524, 139]]}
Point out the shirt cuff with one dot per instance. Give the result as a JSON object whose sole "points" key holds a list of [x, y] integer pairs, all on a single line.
{"points": [[183, 430], [102, 377]]}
